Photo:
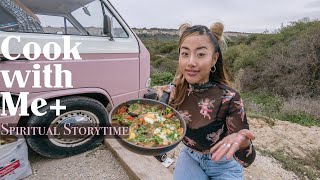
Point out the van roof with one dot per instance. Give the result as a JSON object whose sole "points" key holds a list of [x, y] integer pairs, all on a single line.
{"points": [[54, 6]]}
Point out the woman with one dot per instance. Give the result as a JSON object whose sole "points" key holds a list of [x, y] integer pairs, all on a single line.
{"points": [[218, 142]]}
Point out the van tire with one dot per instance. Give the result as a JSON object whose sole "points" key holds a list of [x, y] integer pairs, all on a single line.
{"points": [[77, 108]]}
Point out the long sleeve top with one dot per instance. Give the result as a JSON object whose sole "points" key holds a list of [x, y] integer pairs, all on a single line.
{"points": [[211, 114]]}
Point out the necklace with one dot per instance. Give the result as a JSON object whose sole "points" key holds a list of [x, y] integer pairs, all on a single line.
{"points": [[200, 87]]}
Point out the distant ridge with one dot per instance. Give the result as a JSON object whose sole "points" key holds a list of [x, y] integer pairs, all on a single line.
{"points": [[138, 31], [154, 31]]}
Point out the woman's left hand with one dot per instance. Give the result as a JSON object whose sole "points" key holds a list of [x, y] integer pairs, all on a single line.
{"points": [[231, 143]]}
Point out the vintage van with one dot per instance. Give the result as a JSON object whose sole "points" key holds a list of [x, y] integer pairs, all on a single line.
{"points": [[115, 67]]}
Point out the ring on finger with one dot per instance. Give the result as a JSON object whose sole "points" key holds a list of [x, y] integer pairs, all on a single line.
{"points": [[228, 145]]}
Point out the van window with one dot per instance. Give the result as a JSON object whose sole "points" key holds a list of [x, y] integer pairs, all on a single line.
{"points": [[73, 17], [118, 30], [57, 25], [92, 20]]}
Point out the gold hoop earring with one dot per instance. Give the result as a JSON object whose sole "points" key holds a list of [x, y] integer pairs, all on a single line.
{"points": [[214, 69]]}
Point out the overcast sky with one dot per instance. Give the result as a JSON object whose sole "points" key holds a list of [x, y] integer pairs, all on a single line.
{"points": [[237, 15]]}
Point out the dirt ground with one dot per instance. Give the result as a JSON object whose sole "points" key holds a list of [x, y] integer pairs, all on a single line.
{"points": [[99, 163], [292, 138], [96, 164]]}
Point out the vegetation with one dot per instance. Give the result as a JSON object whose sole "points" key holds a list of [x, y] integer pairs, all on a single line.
{"points": [[285, 63], [161, 78], [278, 74], [271, 107], [304, 168], [164, 54]]}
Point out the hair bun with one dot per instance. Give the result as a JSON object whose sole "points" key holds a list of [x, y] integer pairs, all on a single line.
{"points": [[183, 27], [217, 29]]}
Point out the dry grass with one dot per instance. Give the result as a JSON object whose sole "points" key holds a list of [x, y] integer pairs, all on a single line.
{"points": [[304, 168], [304, 111], [299, 104]]}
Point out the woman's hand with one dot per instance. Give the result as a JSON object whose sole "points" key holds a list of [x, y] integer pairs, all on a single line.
{"points": [[231, 143]]}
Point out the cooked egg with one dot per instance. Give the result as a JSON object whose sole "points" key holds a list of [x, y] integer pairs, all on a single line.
{"points": [[132, 136], [175, 135], [157, 131], [151, 115], [149, 120], [160, 118]]}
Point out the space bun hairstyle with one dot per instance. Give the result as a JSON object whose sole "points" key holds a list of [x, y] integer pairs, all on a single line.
{"points": [[217, 29], [183, 28], [217, 73]]}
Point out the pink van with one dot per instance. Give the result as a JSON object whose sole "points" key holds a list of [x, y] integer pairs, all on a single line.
{"points": [[115, 66]]}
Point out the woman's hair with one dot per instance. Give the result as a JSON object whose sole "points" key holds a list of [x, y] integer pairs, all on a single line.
{"points": [[216, 36]]}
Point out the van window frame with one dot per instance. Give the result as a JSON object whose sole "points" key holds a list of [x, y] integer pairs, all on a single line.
{"points": [[114, 17], [72, 20]]}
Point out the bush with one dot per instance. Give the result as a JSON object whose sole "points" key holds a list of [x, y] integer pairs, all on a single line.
{"points": [[174, 55], [169, 65], [272, 106], [285, 63], [301, 118], [301, 104], [161, 78], [167, 48], [165, 65], [263, 103]]}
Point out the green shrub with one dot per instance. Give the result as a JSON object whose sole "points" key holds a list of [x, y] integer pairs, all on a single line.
{"points": [[167, 48], [265, 103], [262, 104], [165, 64], [156, 63], [301, 118], [169, 65], [271, 106], [174, 54], [161, 78]]}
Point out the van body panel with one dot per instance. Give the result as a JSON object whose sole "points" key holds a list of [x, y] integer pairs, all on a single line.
{"points": [[112, 73], [53, 95]]}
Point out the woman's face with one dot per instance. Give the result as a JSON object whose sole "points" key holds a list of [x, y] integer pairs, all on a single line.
{"points": [[196, 58]]}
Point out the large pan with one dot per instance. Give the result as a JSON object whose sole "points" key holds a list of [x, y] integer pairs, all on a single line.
{"points": [[152, 151]]}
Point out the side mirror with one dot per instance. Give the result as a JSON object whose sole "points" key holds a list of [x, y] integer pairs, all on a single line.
{"points": [[107, 25]]}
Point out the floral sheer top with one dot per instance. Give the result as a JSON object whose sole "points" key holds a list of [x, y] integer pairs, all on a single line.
{"points": [[212, 112]]}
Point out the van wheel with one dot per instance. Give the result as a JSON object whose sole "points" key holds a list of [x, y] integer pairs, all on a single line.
{"points": [[60, 141]]}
